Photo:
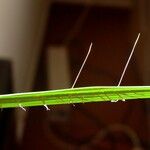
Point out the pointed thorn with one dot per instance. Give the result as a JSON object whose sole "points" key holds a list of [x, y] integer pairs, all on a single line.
{"points": [[22, 107], [46, 107]]}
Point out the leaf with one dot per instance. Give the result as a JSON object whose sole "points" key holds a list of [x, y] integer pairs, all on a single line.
{"points": [[75, 95]]}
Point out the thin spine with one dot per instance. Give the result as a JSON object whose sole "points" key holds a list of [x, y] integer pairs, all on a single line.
{"points": [[46, 107], [22, 107], [128, 61], [83, 64], [126, 66]]}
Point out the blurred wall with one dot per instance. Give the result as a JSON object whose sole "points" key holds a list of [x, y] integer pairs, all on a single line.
{"points": [[21, 28]]}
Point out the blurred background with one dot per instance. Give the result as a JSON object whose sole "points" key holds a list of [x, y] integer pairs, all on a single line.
{"points": [[42, 47]]}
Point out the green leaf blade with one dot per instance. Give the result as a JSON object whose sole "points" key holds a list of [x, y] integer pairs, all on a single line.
{"points": [[75, 95]]}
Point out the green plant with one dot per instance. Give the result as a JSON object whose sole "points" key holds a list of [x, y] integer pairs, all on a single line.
{"points": [[75, 95], [78, 95]]}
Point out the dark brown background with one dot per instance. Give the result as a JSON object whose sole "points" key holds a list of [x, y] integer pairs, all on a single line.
{"points": [[112, 32]]}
